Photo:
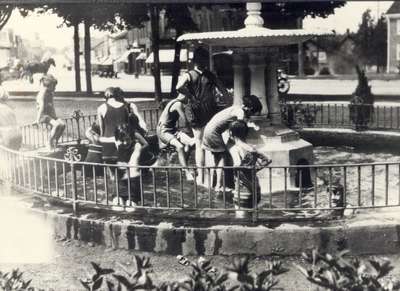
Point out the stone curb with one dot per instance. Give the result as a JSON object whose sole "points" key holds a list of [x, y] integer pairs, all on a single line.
{"points": [[290, 239]]}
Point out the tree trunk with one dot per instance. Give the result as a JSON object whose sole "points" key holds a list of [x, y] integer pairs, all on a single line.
{"points": [[88, 66], [77, 65], [155, 42], [176, 67], [300, 60]]}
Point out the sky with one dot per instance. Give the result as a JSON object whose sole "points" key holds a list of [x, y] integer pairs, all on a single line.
{"points": [[47, 26]]}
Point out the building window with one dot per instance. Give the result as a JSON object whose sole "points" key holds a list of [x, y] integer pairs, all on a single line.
{"points": [[398, 26], [398, 52]]}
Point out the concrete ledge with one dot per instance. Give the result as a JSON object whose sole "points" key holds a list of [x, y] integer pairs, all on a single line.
{"points": [[367, 233], [369, 139]]}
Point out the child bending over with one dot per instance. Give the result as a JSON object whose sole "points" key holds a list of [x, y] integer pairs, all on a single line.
{"points": [[212, 139], [130, 145], [245, 155]]}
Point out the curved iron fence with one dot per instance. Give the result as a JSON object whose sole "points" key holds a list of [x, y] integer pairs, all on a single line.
{"points": [[318, 191], [366, 116]]}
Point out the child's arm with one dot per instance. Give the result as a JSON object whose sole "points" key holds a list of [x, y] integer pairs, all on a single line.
{"points": [[40, 103], [100, 113], [179, 108], [141, 140], [135, 110], [181, 87]]}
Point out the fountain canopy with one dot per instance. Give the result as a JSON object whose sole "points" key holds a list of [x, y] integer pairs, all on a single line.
{"points": [[254, 34]]}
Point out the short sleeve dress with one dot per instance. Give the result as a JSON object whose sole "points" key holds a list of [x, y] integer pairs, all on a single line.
{"points": [[212, 138]]}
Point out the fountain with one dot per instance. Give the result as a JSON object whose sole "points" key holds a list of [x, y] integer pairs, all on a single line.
{"points": [[257, 47]]}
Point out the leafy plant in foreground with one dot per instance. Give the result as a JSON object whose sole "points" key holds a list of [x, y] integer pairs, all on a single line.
{"points": [[344, 273]]}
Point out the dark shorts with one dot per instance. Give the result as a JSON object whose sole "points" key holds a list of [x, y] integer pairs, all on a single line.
{"points": [[48, 115], [110, 153]]}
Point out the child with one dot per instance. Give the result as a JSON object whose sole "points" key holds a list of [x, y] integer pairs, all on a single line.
{"points": [[200, 85], [212, 139], [95, 151], [46, 112], [168, 133], [112, 113], [245, 155], [130, 145]]}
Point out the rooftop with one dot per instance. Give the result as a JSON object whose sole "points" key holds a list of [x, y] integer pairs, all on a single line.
{"points": [[395, 8]]}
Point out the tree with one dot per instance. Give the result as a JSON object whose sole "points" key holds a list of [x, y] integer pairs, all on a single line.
{"points": [[180, 19], [379, 44], [5, 14], [364, 38]]}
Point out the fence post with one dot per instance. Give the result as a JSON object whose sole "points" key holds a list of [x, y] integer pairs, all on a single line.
{"points": [[77, 115], [255, 194], [74, 188]]}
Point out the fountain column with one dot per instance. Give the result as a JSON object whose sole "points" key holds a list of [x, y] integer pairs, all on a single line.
{"points": [[238, 78], [257, 79], [272, 85]]}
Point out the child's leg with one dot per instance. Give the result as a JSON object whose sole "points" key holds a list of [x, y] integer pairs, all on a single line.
{"points": [[220, 163], [199, 152], [181, 156], [59, 130], [134, 161]]}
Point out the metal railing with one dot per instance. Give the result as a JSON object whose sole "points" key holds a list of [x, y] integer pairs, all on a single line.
{"points": [[376, 117], [329, 188], [286, 192]]}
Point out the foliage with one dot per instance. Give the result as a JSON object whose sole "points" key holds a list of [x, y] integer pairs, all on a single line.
{"points": [[362, 102], [298, 114], [341, 272], [13, 281], [371, 40], [203, 277]]}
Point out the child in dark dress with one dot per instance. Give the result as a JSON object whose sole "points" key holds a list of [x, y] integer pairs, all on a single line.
{"points": [[130, 144]]}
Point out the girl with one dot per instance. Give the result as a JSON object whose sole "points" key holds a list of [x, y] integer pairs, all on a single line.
{"points": [[212, 139]]}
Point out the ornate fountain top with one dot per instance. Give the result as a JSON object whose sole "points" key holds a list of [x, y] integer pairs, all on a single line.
{"points": [[254, 19]]}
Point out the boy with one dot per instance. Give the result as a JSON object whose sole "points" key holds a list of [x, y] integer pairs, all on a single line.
{"points": [[200, 86], [168, 133], [46, 112]]}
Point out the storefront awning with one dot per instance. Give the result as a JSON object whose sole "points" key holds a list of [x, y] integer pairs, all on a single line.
{"points": [[124, 57], [167, 56]]}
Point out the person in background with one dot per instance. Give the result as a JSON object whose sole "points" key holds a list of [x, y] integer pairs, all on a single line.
{"points": [[200, 86], [213, 141], [46, 111], [3, 92], [169, 134]]}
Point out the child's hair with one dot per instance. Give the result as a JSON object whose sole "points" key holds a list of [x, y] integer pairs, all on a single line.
{"points": [[48, 80], [252, 102], [201, 57], [95, 128], [114, 92], [239, 129], [124, 131]]}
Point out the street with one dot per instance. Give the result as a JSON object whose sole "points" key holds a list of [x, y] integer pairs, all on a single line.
{"points": [[145, 83]]}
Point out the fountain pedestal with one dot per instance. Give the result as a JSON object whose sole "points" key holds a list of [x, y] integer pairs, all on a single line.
{"points": [[284, 147]]}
